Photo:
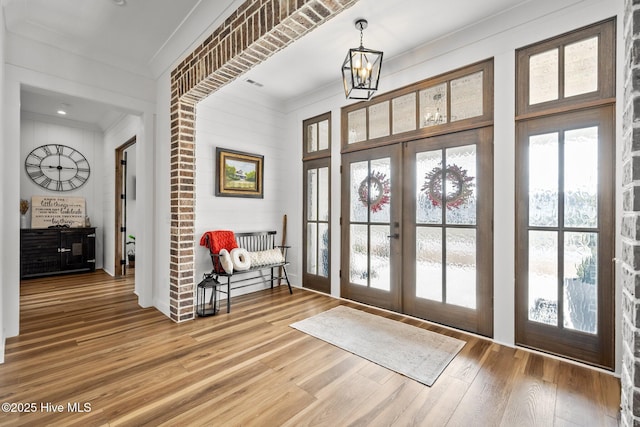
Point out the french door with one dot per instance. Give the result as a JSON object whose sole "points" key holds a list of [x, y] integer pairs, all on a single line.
{"points": [[448, 241], [316, 260], [416, 229], [371, 215], [565, 235]]}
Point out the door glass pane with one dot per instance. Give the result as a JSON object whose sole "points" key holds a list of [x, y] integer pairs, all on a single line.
{"points": [[461, 267], [433, 106], [379, 190], [466, 97], [581, 178], [312, 138], [380, 277], [543, 77], [359, 256], [359, 201], [312, 194], [312, 245], [357, 125], [323, 194], [543, 277], [323, 135], [323, 244], [404, 113], [379, 120], [429, 263], [461, 184], [543, 180], [429, 187], [581, 281], [581, 67]]}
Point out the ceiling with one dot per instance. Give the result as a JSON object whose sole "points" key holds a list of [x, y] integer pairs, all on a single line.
{"points": [[142, 34], [80, 112], [314, 61]]}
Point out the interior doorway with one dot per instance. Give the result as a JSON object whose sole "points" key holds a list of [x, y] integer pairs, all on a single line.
{"points": [[125, 196]]}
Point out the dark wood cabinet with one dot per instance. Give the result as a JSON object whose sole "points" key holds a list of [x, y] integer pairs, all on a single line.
{"points": [[46, 251]]}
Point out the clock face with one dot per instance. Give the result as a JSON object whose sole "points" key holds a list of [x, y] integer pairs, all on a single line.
{"points": [[57, 167]]}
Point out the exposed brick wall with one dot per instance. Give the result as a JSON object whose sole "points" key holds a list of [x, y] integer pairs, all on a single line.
{"points": [[254, 32], [630, 376]]}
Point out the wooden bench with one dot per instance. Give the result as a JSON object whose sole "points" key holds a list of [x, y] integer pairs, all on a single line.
{"points": [[252, 242]]}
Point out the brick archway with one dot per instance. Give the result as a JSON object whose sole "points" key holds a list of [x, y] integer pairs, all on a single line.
{"points": [[254, 32]]}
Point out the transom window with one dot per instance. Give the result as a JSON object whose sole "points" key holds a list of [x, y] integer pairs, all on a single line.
{"points": [[453, 101]]}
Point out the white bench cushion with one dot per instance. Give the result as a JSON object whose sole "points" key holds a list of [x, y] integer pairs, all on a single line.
{"points": [[271, 256]]}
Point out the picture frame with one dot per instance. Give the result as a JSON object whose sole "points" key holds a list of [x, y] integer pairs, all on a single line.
{"points": [[239, 174]]}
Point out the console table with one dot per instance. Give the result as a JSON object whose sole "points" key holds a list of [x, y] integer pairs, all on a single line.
{"points": [[47, 251]]}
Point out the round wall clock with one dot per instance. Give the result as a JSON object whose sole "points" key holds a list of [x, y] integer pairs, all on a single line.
{"points": [[57, 167]]}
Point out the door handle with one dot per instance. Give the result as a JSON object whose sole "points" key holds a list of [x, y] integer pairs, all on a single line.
{"points": [[394, 236], [64, 250]]}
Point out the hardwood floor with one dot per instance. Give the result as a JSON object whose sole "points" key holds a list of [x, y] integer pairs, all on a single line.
{"points": [[84, 340]]}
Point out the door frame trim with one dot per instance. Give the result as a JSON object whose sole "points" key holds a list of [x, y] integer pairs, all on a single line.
{"points": [[119, 269]]}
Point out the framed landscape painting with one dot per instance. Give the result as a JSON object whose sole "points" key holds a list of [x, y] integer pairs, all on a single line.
{"points": [[239, 174]]}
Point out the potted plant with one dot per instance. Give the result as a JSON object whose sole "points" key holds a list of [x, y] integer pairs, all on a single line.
{"points": [[131, 251], [24, 207]]}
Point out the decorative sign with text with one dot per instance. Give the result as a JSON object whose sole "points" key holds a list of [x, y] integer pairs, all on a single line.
{"points": [[51, 211]]}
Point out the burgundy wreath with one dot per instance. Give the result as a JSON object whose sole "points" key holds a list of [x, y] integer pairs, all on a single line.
{"points": [[375, 191], [460, 186]]}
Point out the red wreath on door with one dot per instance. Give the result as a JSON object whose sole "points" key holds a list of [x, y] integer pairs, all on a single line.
{"points": [[457, 178], [375, 191]]}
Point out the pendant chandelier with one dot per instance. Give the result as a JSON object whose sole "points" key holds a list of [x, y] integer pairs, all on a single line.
{"points": [[361, 69]]}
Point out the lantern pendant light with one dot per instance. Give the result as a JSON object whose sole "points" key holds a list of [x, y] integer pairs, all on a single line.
{"points": [[361, 69]]}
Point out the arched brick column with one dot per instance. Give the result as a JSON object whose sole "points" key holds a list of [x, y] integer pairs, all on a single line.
{"points": [[254, 32]]}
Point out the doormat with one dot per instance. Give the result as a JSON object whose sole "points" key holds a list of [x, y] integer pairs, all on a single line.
{"points": [[411, 351]]}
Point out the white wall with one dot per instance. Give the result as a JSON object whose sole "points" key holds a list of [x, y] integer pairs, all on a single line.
{"points": [[35, 132], [30, 55], [497, 38], [162, 203], [121, 132], [243, 121]]}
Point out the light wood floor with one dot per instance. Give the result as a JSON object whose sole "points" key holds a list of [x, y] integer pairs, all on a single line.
{"points": [[84, 340]]}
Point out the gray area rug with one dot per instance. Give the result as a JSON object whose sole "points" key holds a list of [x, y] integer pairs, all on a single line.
{"points": [[414, 352]]}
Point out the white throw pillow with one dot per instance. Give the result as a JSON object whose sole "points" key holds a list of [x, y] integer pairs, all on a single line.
{"points": [[240, 259], [225, 261], [271, 256]]}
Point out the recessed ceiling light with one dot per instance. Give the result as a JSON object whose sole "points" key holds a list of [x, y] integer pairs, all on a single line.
{"points": [[62, 110], [119, 2]]}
